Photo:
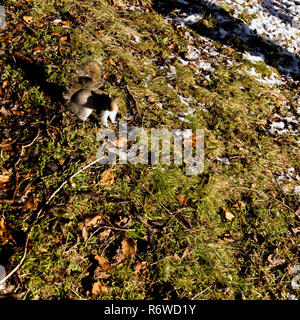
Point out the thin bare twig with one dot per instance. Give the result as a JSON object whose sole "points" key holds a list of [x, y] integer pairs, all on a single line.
{"points": [[20, 263], [199, 294], [27, 146], [171, 214]]}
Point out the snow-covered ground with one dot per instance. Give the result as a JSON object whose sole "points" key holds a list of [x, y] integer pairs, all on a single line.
{"points": [[273, 24]]}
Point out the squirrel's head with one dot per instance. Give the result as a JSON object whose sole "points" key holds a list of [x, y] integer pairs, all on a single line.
{"points": [[115, 102]]}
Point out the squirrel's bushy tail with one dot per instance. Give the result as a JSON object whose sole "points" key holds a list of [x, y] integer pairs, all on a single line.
{"points": [[89, 75]]}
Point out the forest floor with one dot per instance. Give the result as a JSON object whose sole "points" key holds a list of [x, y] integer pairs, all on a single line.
{"points": [[142, 231]]}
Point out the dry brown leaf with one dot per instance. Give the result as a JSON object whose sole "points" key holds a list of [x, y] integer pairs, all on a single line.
{"points": [[104, 234], [140, 266], [100, 31], [296, 230], [228, 215], [239, 205], [5, 235], [100, 274], [92, 222], [188, 251], [171, 46], [99, 289], [84, 232], [176, 257], [63, 40], [22, 58], [27, 19], [106, 75], [39, 24], [103, 262], [66, 23], [107, 177], [7, 38], [72, 183], [230, 50], [110, 62], [182, 199], [53, 33], [193, 141], [129, 247], [37, 49], [30, 204], [5, 84], [154, 106], [124, 222], [19, 27], [275, 259], [179, 31], [18, 112], [4, 179]]}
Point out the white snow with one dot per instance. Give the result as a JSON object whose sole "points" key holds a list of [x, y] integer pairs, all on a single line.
{"points": [[274, 79], [252, 58], [189, 19], [277, 21], [284, 125]]}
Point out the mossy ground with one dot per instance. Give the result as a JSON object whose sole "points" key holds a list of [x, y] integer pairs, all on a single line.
{"points": [[228, 258]]}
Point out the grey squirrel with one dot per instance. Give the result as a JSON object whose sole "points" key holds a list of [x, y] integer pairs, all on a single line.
{"points": [[84, 97]]}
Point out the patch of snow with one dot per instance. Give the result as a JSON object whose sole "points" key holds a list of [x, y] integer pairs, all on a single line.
{"points": [[286, 176], [184, 100], [290, 296], [271, 80], [297, 190], [284, 125], [252, 58], [223, 160], [137, 38], [189, 20], [276, 21]]}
